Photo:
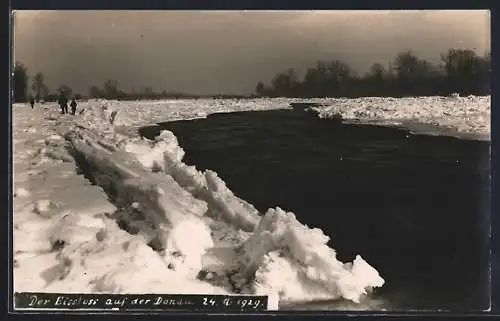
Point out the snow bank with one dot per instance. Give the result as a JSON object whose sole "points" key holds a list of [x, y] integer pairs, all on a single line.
{"points": [[99, 257], [469, 115], [142, 112], [128, 182], [165, 155], [175, 209], [465, 115]]}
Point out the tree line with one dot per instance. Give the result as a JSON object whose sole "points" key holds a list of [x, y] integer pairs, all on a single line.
{"points": [[22, 91], [111, 90], [460, 71]]}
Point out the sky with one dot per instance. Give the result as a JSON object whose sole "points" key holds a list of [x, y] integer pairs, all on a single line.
{"points": [[210, 52]]}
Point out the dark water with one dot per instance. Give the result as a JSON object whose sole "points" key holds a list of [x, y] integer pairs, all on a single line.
{"points": [[415, 207]]}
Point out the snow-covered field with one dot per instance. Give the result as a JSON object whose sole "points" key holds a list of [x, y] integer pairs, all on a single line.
{"points": [[69, 236]]}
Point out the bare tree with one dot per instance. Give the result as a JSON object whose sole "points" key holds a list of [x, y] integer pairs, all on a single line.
{"points": [[111, 89], [40, 89], [20, 82]]}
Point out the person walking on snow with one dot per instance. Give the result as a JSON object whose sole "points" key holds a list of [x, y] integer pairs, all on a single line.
{"points": [[63, 103], [73, 106], [32, 102]]}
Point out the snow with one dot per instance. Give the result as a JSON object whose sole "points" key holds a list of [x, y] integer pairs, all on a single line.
{"points": [[465, 117], [21, 192], [43, 207], [292, 260], [98, 209], [137, 113]]}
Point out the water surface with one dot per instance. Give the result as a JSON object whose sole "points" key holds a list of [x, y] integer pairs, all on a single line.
{"points": [[416, 207]]}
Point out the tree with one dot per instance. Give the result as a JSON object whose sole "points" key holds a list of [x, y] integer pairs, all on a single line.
{"points": [[466, 72], [377, 71], [415, 76], [39, 87], [314, 81], [148, 92], [284, 83], [95, 92], [20, 82], [406, 64], [338, 76], [111, 89], [487, 58], [333, 79], [376, 82], [260, 89], [484, 81]]}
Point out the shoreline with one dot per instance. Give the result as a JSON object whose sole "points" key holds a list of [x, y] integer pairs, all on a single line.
{"points": [[449, 122], [407, 126]]}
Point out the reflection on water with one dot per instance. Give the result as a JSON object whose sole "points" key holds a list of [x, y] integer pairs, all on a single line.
{"points": [[416, 207]]}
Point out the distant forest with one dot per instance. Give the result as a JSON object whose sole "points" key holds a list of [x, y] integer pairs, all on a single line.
{"points": [[460, 71]]}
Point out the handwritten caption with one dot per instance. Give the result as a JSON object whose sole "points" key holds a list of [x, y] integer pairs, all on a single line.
{"points": [[190, 302]]}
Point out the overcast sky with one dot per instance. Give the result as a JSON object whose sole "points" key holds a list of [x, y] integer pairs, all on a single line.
{"points": [[227, 52]]}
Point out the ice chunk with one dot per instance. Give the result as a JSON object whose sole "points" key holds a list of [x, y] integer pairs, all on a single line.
{"points": [[454, 115], [308, 267], [165, 155], [190, 237], [44, 208], [365, 273], [76, 228], [173, 211], [151, 154], [21, 192]]}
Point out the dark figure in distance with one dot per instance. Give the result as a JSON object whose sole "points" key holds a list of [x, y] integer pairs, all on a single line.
{"points": [[73, 106], [63, 103], [32, 102]]}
